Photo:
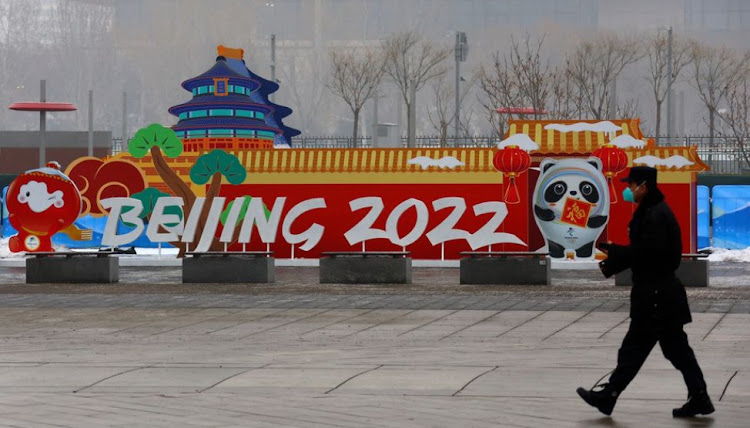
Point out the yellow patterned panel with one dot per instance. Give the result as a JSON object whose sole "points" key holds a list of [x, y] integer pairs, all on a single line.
{"points": [[251, 159], [550, 140]]}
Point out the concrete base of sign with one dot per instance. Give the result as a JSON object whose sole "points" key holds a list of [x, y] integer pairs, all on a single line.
{"points": [[692, 273], [365, 268], [82, 269], [506, 270], [228, 269]]}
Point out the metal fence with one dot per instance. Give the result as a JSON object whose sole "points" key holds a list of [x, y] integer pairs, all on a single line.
{"points": [[725, 156], [366, 142]]}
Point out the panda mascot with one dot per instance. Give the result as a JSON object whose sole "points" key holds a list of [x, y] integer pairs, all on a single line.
{"points": [[571, 205]]}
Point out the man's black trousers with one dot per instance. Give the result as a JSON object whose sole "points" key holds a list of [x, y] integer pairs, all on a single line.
{"points": [[638, 343]]}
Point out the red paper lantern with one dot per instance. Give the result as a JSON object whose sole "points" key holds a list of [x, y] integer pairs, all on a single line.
{"points": [[512, 162], [614, 160]]}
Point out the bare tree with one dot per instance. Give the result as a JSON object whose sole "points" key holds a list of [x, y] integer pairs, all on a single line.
{"points": [[565, 102], [596, 64], [737, 117], [355, 77], [498, 89], [657, 48], [716, 73], [444, 107], [21, 53], [628, 109], [519, 79], [411, 62]]}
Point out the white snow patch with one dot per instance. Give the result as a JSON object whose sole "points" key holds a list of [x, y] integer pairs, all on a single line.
{"points": [[445, 162], [675, 161], [171, 251], [723, 255], [522, 141], [604, 126], [625, 141]]}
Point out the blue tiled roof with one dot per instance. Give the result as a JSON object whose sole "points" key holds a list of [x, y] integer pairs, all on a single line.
{"points": [[237, 72], [212, 101], [224, 122], [220, 69]]}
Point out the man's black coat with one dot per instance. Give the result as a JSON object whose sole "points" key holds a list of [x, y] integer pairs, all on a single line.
{"points": [[653, 255]]}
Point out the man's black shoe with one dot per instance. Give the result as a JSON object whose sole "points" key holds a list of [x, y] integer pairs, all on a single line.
{"points": [[603, 399], [698, 404]]}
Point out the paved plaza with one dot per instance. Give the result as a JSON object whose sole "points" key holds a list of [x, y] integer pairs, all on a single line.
{"points": [[150, 352]]}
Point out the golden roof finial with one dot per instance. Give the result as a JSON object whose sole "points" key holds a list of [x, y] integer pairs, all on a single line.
{"points": [[230, 53]]}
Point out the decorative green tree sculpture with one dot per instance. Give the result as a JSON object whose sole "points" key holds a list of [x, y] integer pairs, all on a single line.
{"points": [[148, 198], [155, 139], [211, 167]]}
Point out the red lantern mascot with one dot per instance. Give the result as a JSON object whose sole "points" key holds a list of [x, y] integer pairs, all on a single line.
{"points": [[42, 202], [614, 160], [512, 161]]}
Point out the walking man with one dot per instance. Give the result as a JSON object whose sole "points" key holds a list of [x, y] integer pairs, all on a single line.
{"points": [[658, 302]]}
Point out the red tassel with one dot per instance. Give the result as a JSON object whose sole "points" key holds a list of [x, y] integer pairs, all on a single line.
{"points": [[612, 191], [511, 193]]}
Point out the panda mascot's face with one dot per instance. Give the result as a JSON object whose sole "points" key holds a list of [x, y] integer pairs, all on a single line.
{"points": [[566, 183]]}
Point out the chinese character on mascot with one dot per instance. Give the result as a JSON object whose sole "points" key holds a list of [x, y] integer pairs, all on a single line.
{"points": [[41, 203]]}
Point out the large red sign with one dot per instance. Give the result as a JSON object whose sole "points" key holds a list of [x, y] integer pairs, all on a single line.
{"points": [[437, 221]]}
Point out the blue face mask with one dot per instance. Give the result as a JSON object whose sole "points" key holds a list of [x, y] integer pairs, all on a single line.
{"points": [[627, 194]]}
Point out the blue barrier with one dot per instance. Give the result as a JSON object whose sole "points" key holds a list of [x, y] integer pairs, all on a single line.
{"points": [[730, 211], [704, 217]]}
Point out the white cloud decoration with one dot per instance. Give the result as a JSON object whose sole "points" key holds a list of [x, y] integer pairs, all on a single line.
{"points": [[675, 161], [625, 141], [521, 140], [603, 126], [426, 162]]}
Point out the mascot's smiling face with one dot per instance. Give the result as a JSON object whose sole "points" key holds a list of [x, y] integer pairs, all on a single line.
{"points": [[574, 187], [43, 202], [35, 194]]}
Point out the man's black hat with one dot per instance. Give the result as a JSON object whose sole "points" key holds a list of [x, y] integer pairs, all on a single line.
{"points": [[641, 174]]}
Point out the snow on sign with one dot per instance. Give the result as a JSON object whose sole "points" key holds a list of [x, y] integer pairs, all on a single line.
{"points": [[675, 161], [444, 162], [626, 142], [522, 141], [603, 126]]}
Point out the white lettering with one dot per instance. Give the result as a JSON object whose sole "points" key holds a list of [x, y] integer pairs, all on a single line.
{"points": [[115, 205], [446, 230], [486, 235], [363, 231], [256, 215], [228, 232], [160, 218], [391, 225], [310, 237], [192, 221], [212, 222]]}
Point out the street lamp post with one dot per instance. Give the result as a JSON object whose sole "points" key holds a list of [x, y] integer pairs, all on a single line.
{"points": [[42, 107], [669, 88], [462, 50]]}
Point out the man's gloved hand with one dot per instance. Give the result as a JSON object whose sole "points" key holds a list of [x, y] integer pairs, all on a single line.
{"points": [[606, 268]]}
